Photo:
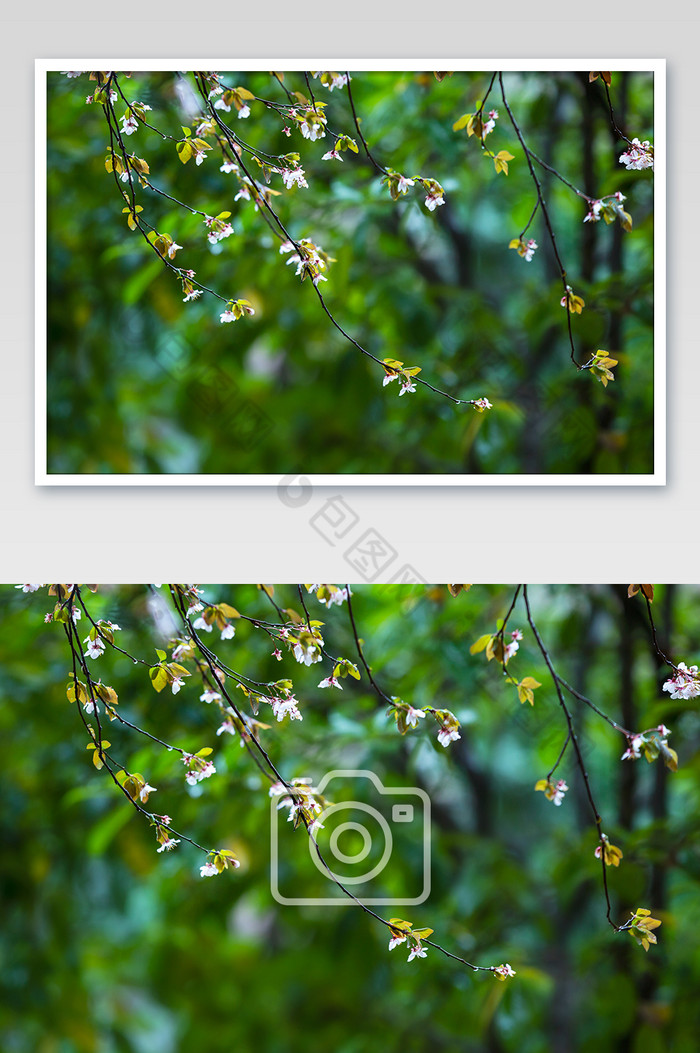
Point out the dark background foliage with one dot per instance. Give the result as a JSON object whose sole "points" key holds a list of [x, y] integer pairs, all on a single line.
{"points": [[139, 382], [107, 946]]}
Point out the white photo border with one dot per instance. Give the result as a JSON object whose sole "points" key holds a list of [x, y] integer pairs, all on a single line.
{"points": [[656, 66]]}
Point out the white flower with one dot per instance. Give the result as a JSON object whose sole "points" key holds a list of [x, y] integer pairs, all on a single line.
{"points": [[220, 104], [227, 316], [406, 385], [282, 707], [70, 73], [638, 155], [446, 735], [243, 112], [95, 647], [228, 632], [388, 378], [193, 295], [331, 681], [413, 716], [433, 199], [290, 176], [308, 654], [313, 131], [176, 684], [228, 726], [145, 790], [395, 941], [530, 249], [333, 154], [129, 124], [685, 683], [594, 208], [559, 791], [28, 588], [502, 971], [209, 869], [210, 696], [169, 844], [633, 751], [202, 625], [403, 184], [482, 404], [172, 249], [228, 166], [417, 951]]}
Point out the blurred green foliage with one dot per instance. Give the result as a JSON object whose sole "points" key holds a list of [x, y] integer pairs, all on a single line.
{"points": [[139, 382], [107, 946]]}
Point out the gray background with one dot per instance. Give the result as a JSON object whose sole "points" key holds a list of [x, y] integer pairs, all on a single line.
{"points": [[495, 533]]}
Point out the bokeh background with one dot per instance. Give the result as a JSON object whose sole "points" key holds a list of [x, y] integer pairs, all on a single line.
{"points": [[107, 946], [139, 382]]}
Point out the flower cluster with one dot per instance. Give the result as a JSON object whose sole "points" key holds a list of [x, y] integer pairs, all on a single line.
{"points": [[310, 259], [497, 646], [403, 932], [526, 249], [218, 227], [395, 370], [503, 972], [608, 208], [638, 155], [303, 800], [236, 309], [407, 716], [475, 123], [652, 743], [553, 791], [685, 682], [218, 861], [198, 767]]}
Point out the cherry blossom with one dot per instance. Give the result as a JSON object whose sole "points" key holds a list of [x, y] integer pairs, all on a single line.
{"points": [[447, 734], [413, 716], [290, 176], [403, 184], [482, 404], [176, 683], [209, 869], [395, 941], [145, 790], [685, 683], [512, 647], [95, 647], [283, 707], [333, 154], [407, 385], [307, 654], [331, 681], [593, 215], [228, 166], [502, 972], [417, 951], [169, 844], [28, 588], [228, 632], [633, 751], [129, 124], [638, 155], [193, 294]]}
